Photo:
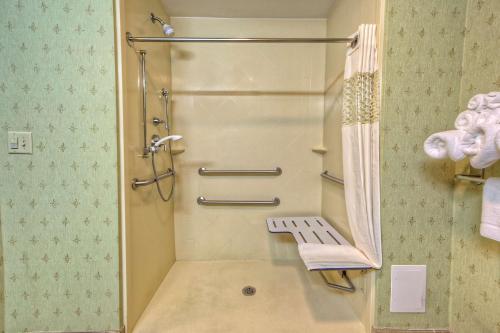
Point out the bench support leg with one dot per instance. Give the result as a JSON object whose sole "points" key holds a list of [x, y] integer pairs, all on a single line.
{"points": [[349, 288]]}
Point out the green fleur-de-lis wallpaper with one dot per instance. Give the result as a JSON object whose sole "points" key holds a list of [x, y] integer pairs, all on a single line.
{"points": [[420, 86], [437, 54], [59, 216], [475, 278]]}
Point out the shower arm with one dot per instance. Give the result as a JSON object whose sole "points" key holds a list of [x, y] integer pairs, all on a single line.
{"points": [[157, 19]]}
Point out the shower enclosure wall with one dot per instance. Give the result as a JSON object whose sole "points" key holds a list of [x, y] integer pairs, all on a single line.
{"points": [[235, 115], [149, 232]]}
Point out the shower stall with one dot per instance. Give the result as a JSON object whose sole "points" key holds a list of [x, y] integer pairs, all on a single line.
{"points": [[255, 98]]}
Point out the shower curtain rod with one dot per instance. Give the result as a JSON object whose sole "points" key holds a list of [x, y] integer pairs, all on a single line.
{"points": [[132, 39]]}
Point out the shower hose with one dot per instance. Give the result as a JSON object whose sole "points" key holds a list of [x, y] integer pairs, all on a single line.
{"points": [[153, 154]]}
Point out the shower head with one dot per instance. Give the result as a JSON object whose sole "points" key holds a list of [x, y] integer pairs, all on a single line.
{"points": [[167, 28]]}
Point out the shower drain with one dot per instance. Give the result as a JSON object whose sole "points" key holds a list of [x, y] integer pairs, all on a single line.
{"points": [[248, 291]]}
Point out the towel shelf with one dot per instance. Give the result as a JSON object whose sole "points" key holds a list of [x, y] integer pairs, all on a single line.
{"points": [[274, 172], [204, 202], [332, 178]]}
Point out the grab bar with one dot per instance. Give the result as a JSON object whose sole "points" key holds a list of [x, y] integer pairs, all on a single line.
{"points": [[205, 172], [332, 178], [138, 182], [203, 201]]}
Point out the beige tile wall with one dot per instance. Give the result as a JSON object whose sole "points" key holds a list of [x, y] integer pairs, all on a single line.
{"points": [[149, 221], [246, 106]]}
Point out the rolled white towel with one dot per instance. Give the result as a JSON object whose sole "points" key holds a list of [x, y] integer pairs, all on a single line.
{"points": [[466, 120], [327, 256], [490, 217], [478, 103], [445, 144], [493, 97], [495, 107], [471, 143], [484, 118], [497, 141], [488, 153]]}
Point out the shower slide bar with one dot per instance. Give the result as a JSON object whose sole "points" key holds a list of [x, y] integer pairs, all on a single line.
{"points": [[332, 178], [204, 202], [145, 149], [274, 172], [131, 39], [138, 182]]}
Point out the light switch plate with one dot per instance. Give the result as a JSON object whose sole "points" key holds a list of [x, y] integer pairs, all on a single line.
{"points": [[408, 288], [20, 143]]}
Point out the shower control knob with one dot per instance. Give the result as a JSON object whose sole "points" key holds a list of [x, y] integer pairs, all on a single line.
{"points": [[157, 121]]}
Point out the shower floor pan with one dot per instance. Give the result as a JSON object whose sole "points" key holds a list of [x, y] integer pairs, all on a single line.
{"points": [[207, 297]]}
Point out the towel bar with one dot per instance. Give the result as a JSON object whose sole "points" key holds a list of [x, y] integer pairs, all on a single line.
{"points": [[203, 201], [274, 172], [474, 179], [478, 179]]}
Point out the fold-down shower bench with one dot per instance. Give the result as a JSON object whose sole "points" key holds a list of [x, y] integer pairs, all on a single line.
{"points": [[316, 230]]}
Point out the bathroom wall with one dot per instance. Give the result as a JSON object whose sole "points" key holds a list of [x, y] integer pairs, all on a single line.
{"points": [[422, 60], [59, 214], [149, 221], [342, 21], [475, 276], [246, 107]]}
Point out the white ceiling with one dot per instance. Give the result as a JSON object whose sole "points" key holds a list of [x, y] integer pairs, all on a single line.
{"points": [[249, 8]]}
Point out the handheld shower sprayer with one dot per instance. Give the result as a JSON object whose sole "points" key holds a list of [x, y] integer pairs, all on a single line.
{"points": [[167, 28], [157, 142]]}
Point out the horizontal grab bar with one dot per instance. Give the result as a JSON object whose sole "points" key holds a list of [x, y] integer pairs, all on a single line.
{"points": [[332, 178], [274, 172], [203, 201], [138, 183]]}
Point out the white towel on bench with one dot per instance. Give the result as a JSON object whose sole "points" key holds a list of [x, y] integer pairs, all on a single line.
{"points": [[328, 256]]}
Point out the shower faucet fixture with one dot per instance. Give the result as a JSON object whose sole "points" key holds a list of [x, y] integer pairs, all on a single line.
{"points": [[157, 142], [157, 121], [168, 30]]}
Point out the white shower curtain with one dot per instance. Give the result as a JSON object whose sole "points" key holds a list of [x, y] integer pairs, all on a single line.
{"points": [[360, 143]]}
